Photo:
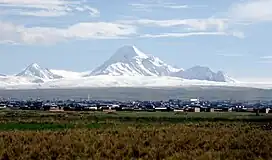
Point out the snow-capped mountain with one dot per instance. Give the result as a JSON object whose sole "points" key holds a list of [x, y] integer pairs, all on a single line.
{"points": [[127, 67], [37, 72], [130, 61], [2, 75], [203, 73]]}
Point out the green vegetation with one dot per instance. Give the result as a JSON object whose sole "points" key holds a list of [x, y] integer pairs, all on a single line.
{"points": [[127, 135], [33, 126], [122, 117]]}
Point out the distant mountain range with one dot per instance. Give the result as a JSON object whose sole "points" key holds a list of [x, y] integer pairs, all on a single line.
{"points": [[127, 61], [130, 61]]}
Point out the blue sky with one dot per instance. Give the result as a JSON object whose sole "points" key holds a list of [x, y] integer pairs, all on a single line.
{"points": [[230, 35]]}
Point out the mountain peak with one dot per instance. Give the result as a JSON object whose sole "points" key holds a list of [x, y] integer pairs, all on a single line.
{"points": [[33, 66], [129, 60], [128, 52], [35, 71]]}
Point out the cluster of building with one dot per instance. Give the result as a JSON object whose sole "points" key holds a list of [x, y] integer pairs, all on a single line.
{"points": [[192, 105]]}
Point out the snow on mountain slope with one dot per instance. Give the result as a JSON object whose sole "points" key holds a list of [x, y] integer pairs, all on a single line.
{"points": [[35, 71], [130, 61], [16, 80], [2, 75], [68, 74], [106, 81], [202, 73], [120, 81]]}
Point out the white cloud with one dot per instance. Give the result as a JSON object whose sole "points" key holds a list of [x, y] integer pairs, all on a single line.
{"points": [[209, 26], [43, 13], [140, 7], [269, 61], [148, 6], [19, 34], [92, 11], [46, 8], [229, 55], [100, 30], [177, 6], [188, 34], [253, 10], [193, 24], [238, 34], [266, 57]]}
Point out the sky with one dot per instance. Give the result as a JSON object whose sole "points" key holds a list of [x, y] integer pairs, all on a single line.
{"points": [[79, 35]]}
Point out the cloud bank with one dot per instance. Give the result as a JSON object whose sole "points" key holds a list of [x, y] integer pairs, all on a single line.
{"points": [[45, 8]]}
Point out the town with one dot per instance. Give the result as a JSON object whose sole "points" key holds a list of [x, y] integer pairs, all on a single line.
{"points": [[172, 105]]}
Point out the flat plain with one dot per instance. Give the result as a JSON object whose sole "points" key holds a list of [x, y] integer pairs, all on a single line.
{"points": [[134, 135]]}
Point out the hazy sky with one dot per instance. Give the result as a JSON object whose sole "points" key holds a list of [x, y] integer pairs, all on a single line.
{"points": [[78, 35]]}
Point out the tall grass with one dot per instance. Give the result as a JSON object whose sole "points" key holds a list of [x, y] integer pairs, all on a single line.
{"points": [[143, 141], [96, 135]]}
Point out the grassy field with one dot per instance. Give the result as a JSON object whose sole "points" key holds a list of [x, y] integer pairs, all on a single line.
{"points": [[128, 135]]}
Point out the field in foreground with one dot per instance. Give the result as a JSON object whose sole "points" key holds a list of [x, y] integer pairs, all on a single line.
{"points": [[44, 135]]}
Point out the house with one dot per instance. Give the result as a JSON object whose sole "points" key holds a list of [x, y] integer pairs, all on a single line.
{"points": [[178, 110], [91, 107], [194, 100], [104, 107], [50, 106], [3, 106], [193, 109], [230, 109], [114, 107], [196, 109], [164, 109], [262, 110], [251, 109], [267, 110], [210, 109]]}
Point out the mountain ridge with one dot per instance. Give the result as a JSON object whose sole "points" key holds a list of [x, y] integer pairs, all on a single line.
{"points": [[203, 73], [127, 61]]}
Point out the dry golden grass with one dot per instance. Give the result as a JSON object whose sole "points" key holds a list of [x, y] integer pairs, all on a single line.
{"points": [[142, 141]]}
